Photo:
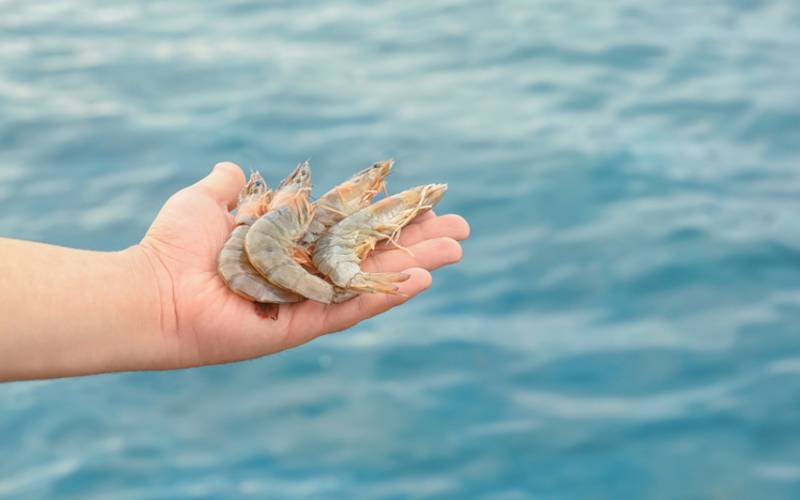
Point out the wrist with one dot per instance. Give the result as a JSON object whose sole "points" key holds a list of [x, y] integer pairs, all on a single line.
{"points": [[152, 307]]}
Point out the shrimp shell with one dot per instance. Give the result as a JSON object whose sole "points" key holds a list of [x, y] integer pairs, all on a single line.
{"points": [[233, 266], [243, 279], [339, 252]]}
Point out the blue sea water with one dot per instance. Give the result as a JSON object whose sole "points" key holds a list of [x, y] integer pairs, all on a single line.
{"points": [[625, 322]]}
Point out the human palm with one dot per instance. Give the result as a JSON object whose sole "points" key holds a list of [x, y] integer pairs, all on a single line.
{"points": [[208, 323]]}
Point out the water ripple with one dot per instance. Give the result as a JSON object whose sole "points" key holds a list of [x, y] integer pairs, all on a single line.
{"points": [[623, 324]]}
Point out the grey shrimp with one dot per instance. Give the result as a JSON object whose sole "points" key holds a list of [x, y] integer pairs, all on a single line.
{"points": [[345, 199], [233, 266], [339, 252], [272, 242]]}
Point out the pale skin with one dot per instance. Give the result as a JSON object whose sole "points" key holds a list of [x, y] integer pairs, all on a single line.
{"points": [[160, 305]]}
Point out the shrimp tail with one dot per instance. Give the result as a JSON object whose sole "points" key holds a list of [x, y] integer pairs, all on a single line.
{"points": [[377, 282]]}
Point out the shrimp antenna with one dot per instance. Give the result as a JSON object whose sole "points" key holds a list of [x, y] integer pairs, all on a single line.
{"points": [[340, 195], [394, 239], [397, 245], [331, 209]]}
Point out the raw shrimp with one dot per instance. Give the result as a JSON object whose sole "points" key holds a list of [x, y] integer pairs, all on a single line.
{"points": [[345, 199], [272, 242], [233, 265], [253, 200], [339, 252]]}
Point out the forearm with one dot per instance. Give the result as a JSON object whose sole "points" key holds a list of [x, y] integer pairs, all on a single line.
{"points": [[72, 312]]}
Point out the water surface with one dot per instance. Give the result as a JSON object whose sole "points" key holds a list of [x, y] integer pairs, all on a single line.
{"points": [[624, 323]]}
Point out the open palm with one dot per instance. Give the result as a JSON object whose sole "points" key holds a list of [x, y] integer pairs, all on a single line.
{"points": [[207, 323]]}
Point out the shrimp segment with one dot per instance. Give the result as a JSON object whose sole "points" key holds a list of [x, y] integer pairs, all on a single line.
{"points": [[339, 252], [271, 242], [233, 266], [345, 199]]}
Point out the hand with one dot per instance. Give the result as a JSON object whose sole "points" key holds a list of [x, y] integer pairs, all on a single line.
{"points": [[204, 322]]}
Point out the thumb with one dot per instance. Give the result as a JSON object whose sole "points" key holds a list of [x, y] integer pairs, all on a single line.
{"points": [[223, 184]]}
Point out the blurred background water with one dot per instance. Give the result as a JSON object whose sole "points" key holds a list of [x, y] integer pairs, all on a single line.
{"points": [[624, 323]]}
